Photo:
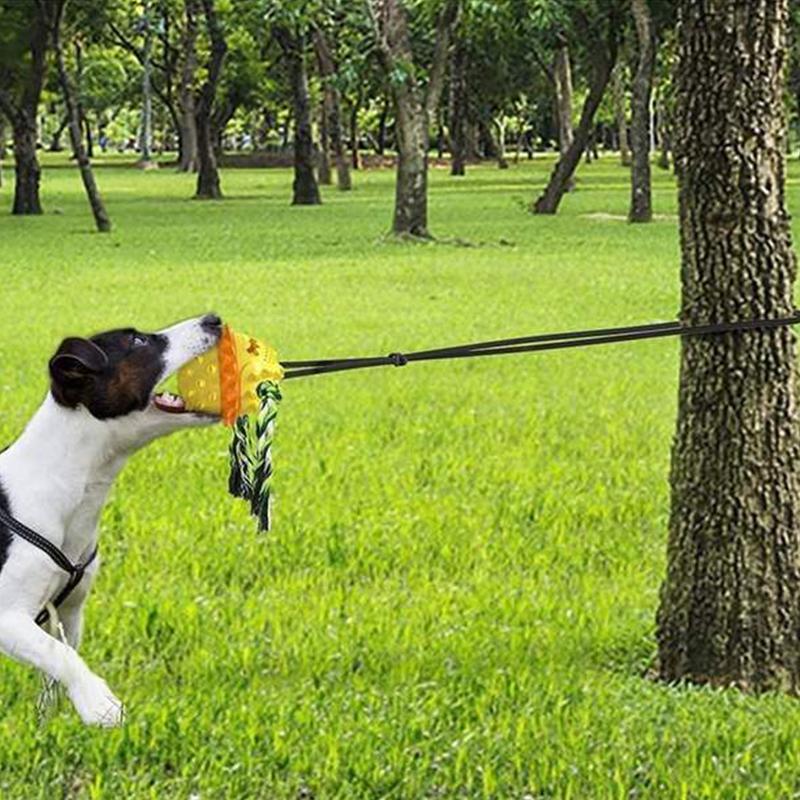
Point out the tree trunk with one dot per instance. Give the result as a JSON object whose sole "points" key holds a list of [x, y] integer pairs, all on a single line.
{"points": [[146, 130], [355, 159], [343, 180], [305, 191], [499, 128], [382, 120], [26, 168], [87, 129], [208, 185], [641, 191], [620, 115], [729, 611], [187, 133], [22, 116], [333, 110], [558, 184], [458, 108], [413, 110], [55, 142], [664, 137], [324, 163], [187, 128], [99, 212], [411, 188], [562, 82]]}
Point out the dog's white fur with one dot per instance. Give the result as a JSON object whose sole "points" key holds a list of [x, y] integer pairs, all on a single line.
{"points": [[56, 477]]}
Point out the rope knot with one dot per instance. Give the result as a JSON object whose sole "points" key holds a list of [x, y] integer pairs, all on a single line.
{"points": [[397, 359]]}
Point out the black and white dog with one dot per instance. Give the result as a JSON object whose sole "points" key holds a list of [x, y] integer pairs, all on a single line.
{"points": [[54, 479]]}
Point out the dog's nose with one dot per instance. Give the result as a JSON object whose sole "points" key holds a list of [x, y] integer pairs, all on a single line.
{"points": [[211, 323]]}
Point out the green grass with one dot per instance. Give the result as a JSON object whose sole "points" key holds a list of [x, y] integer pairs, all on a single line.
{"points": [[457, 600]]}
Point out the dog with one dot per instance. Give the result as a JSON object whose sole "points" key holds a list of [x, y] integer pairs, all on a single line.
{"points": [[101, 407]]}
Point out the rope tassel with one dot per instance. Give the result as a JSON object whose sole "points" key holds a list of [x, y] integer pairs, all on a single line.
{"points": [[251, 455]]}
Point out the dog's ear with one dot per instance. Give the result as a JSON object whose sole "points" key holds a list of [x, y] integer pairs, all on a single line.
{"points": [[72, 367]]}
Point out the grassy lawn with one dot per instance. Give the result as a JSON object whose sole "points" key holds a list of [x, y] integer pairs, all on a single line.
{"points": [[457, 600]]}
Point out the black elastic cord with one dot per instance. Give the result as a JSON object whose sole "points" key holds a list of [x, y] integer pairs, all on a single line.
{"points": [[535, 343]]}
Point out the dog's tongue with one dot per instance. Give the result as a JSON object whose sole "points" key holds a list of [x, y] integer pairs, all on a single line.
{"points": [[169, 402]]}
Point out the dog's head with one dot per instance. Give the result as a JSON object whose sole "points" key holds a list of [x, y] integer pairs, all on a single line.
{"points": [[114, 375]]}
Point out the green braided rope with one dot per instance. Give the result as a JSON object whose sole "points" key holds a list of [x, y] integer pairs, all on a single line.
{"points": [[250, 454], [269, 395], [240, 482]]}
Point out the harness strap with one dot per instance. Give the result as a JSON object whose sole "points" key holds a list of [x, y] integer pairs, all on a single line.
{"points": [[75, 571]]}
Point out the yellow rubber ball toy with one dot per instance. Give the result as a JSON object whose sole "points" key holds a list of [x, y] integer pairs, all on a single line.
{"points": [[224, 380]]}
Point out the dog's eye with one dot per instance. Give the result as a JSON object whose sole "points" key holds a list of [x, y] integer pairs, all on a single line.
{"points": [[137, 340]]}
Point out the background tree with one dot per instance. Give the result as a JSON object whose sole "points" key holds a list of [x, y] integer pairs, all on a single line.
{"points": [[52, 14], [641, 209], [664, 100], [188, 160], [562, 72], [208, 184], [145, 27], [332, 106], [619, 89], [291, 37], [730, 604], [415, 104], [458, 102], [23, 65], [597, 27]]}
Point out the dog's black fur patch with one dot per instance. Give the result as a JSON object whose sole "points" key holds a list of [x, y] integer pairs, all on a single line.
{"points": [[111, 374]]}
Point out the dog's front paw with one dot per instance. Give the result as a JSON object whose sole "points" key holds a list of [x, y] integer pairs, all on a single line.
{"points": [[96, 703]]}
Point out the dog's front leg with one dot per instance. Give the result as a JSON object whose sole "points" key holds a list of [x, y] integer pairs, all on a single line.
{"points": [[70, 626], [22, 639], [71, 611]]}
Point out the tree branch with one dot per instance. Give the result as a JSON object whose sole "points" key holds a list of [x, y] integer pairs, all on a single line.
{"points": [[448, 17], [544, 66]]}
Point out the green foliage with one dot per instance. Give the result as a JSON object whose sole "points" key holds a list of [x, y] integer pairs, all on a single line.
{"points": [[16, 20], [457, 598], [109, 79]]}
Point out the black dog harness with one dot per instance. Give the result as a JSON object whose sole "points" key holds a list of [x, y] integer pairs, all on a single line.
{"points": [[75, 571]]}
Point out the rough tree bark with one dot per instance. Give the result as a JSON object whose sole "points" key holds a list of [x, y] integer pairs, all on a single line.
{"points": [[620, 115], [146, 130], [208, 185], [641, 209], [305, 191], [22, 116], [355, 158], [458, 108], [730, 603], [187, 129], [323, 157], [101, 218], [602, 55], [333, 109], [664, 135], [414, 108], [562, 83]]}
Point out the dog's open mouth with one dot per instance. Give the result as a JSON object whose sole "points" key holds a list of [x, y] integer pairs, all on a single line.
{"points": [[171, 403]]}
